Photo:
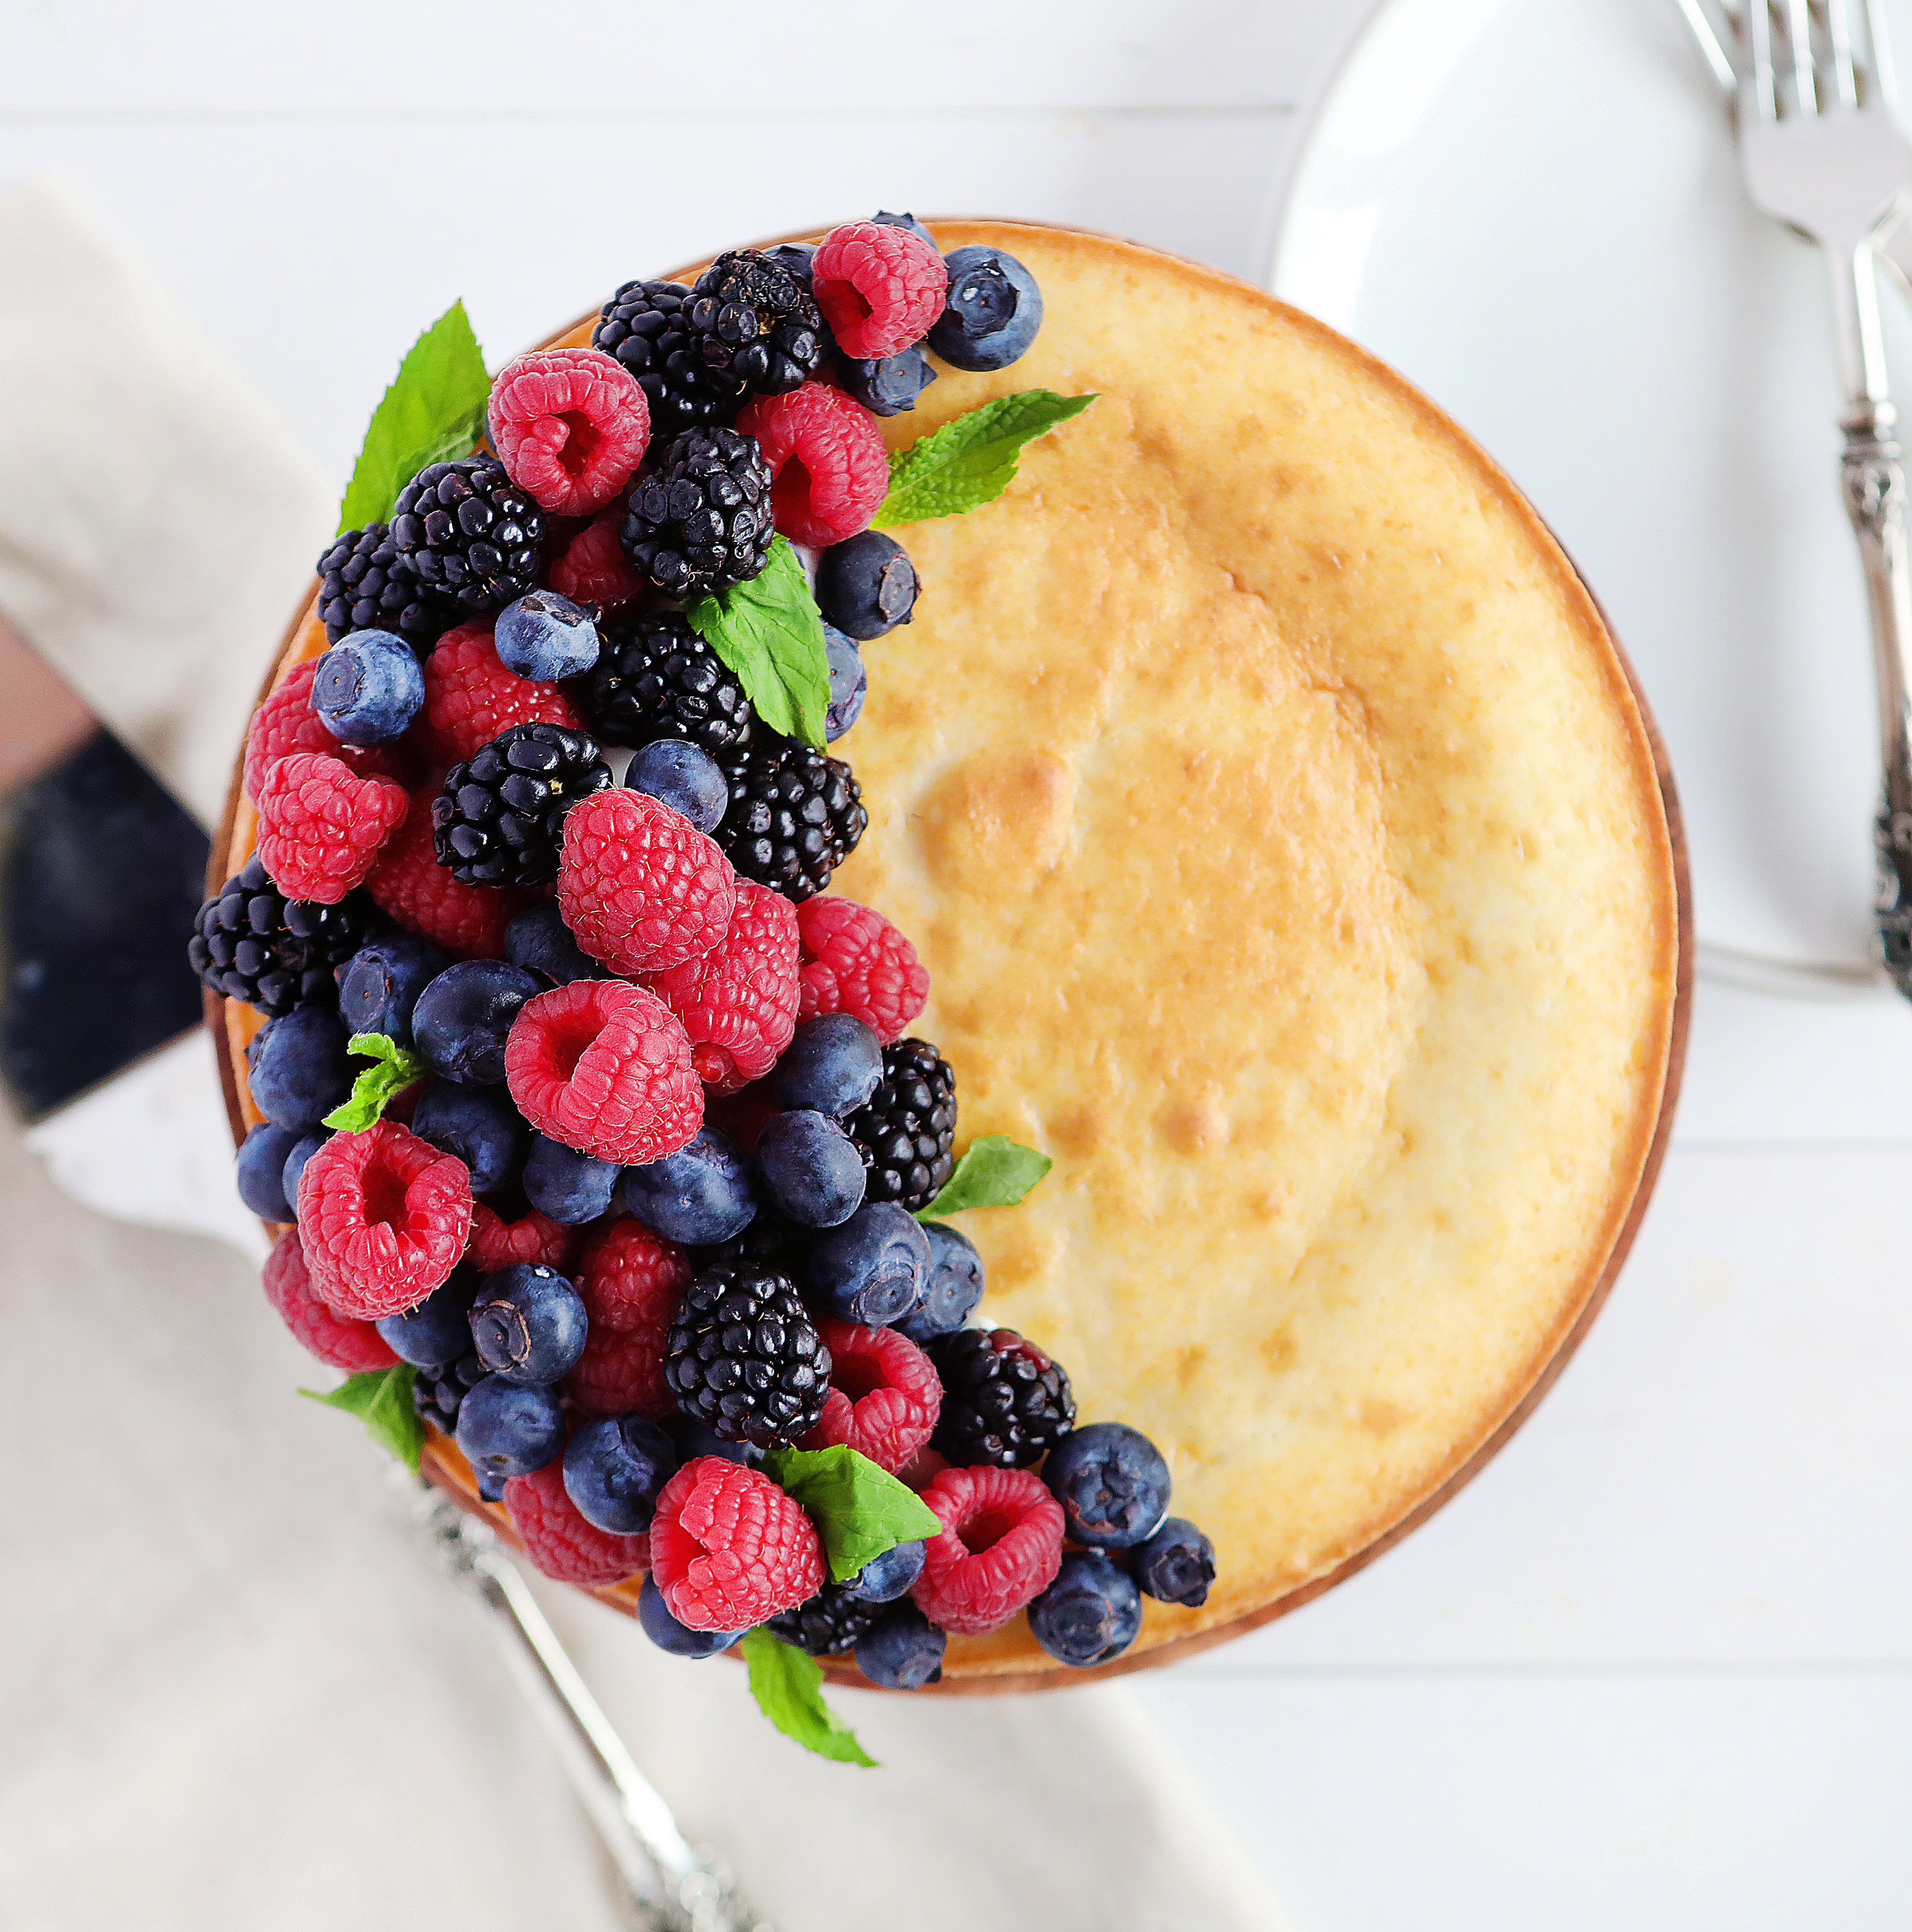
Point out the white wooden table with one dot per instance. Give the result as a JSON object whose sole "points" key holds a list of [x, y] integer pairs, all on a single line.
{"points": [[1654, 1668]]}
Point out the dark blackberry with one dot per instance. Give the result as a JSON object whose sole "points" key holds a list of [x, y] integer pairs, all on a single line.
{"points": [[757, 323], [363, 587], [469, 533], [794, 816], [829, 1623], [438, 1393], [1004, 1402], [501, 818], [906, 1131], [251, 942], [699, 519], [656, 678], [743, 1357], [769, 1242], [644, 325]]}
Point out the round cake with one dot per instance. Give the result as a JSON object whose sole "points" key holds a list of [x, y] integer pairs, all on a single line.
{"points": [[1287, 847]]}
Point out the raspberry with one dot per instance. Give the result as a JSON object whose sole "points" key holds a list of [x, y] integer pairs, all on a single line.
{"points": [[620, 1374], [285, 722], [469, 697], [856, 961], [631, 1280], [999, 1548], [496, 1242], [570, 426], [593, 568], [320, 827], [353, 1346], [829, 469], [880, 288], [744, 1114], [728, 1548], [738, 1001], [385, 1217], [640, 886], [560, 1543], [409, 885], [605, 1067], [884, 1395]]}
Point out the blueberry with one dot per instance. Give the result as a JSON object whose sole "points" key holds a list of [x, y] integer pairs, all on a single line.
{"points": [[904, 1652], [614, 1470], [1111, 1483], [884, 219], [380, 985], [887, 385], [952, 1289], [810, 1171], [546, 636], [1090, 1612], [885, 1578], [459, 1024], [797, 256], [701, 1195], [657, 1623], [871, 1269], [866, 585], [567, 1185], [528, 1324], [298, 1068], [303, 1149], [849, 683], [507, 1429], [992, 312], [477, 1124], [694, 1439], [368, 688], [832, 1064], [259, 1169], [682, 775], [1177, 1564], [539, 940], [437, 1333]]}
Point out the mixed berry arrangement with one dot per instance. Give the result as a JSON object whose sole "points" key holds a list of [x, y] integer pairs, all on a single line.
{"points": [[593, 1121]]}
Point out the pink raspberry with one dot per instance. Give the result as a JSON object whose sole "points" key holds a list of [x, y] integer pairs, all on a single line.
{"points": [[620, 1374], [469, 697], [728, 1548], [631, 1279], [498, 1244], [353, 1346], [855, 961], [883, 1394], [593, 568], [738, 1001], [999, 1548], [409, 885], [384, 1217], [570, 426], [744, 1114], [559, 1541], [285, 722], [320, 828], [605, 1067], [880, 289], [829, 469], [639, 886]]}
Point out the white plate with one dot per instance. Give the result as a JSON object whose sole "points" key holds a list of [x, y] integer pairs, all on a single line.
{"points": [[1532, 209]]}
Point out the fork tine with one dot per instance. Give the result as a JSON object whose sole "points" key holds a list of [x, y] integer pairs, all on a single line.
{"points": [[1713, 43], [1760, 81], [1838, 33], [1798, 32], [1885, 84]]}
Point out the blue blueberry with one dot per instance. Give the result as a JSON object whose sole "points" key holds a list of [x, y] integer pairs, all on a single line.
{"points": [[866, 585], [477, 1124], [832, 1064], [303, 1149], [992, 312], [546, 636], [368, 688], [884, 219], [1111, 1483], [885, 1578], [657, 1623], [528, 1324], [797, 257], [904, 1652], [298, 1068], [259, 1170], [849, 683], [887, 385], [507, 1429], [682, 775], [871, 1269], [462, 1019], [380, 985], [539, 940], [951, 1290], [694, 1439], [1177, 1564], [614, 1470], [1090, 1612], [437, 1333], [701, 1195], [567, 1185], [810, 1169]]}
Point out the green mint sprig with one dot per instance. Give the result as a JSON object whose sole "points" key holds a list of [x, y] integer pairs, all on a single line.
{"points": [[392, 1071], [971, 459], [994, 1172], [769, 632], [382, 1399], [859, 1509], [788, 1688]]}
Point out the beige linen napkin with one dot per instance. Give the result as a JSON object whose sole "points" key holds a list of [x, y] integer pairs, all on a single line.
{"points": [[233, 1693]]}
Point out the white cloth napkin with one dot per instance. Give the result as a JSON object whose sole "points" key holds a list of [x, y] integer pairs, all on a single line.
{"points": [[233, 1693]]}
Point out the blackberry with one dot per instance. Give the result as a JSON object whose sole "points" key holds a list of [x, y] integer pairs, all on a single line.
{"points": [[906, 1131], [769, 1242], [757, 323], [743, 1357], [1004, 1402], [363, 587], [794, 816], [251, 942], [656, 678], [645, 326], [438, 1394], [469, 533], [699, 519], [501, 818], [829, 1623]]}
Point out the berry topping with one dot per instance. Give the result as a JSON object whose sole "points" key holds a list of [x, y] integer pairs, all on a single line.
{"points": [[1090, 1612], [463, 1018], [884, 1395], [1177, 1564], [469, 533], [380, 985], [701, 1195], [632, 1281], [302, 1149], [1004, 1402], [700, 520], [297, 1067], [640, 886], [827, 1624], [352, 1345], [887, 385], [832, 1064], [656, 678], [409, 885], [592, 568], [509, 1429], [620, 1375], [470, 697], [500, 820], [849, 683], [570, 426], [1111, 1482], [645, 326], [569, 1187], [438, 1331], [561, 1542], [904, 1652], [527, 1324], [907, 1133], [499, 1241], [251, 942], [810, 1171], [438, 1393], [729, 1549], [320, 826], [259, 1170], [363, 587], [285, 722], [615, 1469], [794, 816], [683, 776], [544, 636], [992, 312], [885, 1578], [677, 1639], [758, 329], [539, 940], [477, 1125], [368, 688], [743, 1357], [872, 1268], [829, 469], [738, 1001], [999, 1548], [856, 961], [952, 1289], [879, 287], [866, 586]]}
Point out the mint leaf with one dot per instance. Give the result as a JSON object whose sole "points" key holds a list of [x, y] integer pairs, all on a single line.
{"points": [[994, 1172], [768, 630], [788, 1688], [382, 1399], [971, 459], [394, 1070], [860, 1510], [434, 410]]}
